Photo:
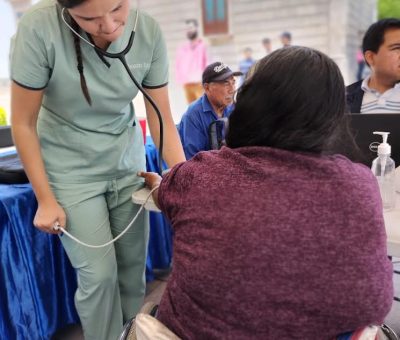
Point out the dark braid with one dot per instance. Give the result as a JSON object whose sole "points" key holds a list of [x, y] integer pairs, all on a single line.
{"points": [[78, 52]]}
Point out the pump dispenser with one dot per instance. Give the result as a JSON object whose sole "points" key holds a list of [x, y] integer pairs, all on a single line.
{"points": [[383, 168]]}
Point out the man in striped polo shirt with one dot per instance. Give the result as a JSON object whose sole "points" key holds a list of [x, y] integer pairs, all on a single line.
{"points": [[379, 92]]}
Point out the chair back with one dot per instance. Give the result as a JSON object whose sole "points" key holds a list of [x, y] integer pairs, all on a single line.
{"points": [[216, 133], [5, 136]]}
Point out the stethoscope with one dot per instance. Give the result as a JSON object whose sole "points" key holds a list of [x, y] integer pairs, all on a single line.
{"points": [[121, 56]]}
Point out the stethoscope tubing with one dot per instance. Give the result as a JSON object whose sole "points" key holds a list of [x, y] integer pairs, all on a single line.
{"points": [[121, 57], [57, 227]]}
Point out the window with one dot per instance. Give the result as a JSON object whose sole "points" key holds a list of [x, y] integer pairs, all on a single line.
{"points": [[215, 17]]}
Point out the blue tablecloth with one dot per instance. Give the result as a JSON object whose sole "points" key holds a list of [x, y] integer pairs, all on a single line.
{"points": [[37, 281], [160, 243]]}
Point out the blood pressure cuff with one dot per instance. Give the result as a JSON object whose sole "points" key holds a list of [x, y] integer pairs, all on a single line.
{"points": [[11, 170]]}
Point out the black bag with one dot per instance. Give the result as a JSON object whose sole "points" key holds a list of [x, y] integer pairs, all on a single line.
{"points": [[11, 170], [5, 136]]}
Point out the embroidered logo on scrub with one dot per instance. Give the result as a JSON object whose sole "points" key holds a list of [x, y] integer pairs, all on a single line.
{"points": [[140, 65]]}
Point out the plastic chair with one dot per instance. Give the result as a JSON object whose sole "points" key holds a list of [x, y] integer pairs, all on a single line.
{"points": [[153, 329], [129, 331], [216, 133], [389, 333]]}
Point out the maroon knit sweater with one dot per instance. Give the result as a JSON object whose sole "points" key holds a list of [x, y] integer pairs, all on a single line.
{"points": [[271, 244]]}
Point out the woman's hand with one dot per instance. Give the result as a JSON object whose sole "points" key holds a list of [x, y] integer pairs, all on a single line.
{"points": [[48, 215], [151, 179]]}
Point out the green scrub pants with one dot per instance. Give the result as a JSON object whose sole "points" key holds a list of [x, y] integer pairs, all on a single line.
{"points": [[111, 280]]}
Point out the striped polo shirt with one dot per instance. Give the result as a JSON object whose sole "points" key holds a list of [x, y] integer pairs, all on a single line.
{"points": [[375, 102]]}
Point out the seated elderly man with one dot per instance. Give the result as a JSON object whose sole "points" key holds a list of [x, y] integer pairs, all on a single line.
{"points": [[216, 103]]}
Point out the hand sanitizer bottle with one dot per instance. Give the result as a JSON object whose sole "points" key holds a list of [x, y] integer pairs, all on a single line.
{"points": [[383, 168]]}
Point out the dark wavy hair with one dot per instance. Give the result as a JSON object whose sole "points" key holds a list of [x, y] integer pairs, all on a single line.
{"points": [[77, 44], [294, 100], [374, 37]]}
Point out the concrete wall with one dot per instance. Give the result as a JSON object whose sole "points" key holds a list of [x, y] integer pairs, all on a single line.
{"points": [[332, 26], [360, 15], [171, 15]]}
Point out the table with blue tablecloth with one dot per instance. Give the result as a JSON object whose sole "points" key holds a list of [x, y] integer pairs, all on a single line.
{"points": [[160, 242], [37, 282]]}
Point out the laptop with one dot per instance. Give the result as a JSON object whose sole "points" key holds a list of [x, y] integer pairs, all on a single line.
{"points": [[363, 125], [11, 169]]}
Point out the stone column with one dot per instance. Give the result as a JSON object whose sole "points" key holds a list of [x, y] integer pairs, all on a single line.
{"points": [[337, 28], [348, 21]]}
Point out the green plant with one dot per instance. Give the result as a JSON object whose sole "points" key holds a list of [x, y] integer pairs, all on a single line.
{"points": [[3, 116], [388, 9]]}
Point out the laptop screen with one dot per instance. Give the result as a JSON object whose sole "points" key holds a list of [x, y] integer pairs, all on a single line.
{"points": [[363, 126]]}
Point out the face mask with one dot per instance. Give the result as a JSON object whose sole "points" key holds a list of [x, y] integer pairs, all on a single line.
{"points": [[192, 35]]}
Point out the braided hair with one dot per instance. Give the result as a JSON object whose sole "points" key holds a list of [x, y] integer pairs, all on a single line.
{"points": [[78, 51], [77, 45]]}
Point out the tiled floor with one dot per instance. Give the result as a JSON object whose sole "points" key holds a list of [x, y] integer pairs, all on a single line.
{"points": [[156, 288]]}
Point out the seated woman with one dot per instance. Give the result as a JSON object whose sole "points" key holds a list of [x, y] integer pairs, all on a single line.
{"points": [[276, 238]]}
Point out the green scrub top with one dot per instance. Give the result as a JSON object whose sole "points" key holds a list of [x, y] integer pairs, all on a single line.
{"points": [[82, 143]]}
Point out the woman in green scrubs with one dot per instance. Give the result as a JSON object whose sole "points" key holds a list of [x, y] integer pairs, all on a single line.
{"points": [[78, 137]]}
